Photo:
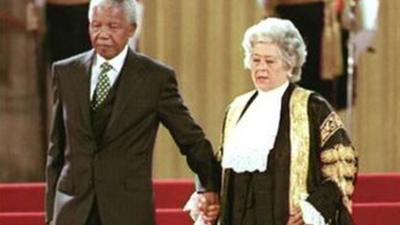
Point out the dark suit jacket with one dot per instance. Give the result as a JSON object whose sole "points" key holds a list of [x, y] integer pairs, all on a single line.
{"points": [[118, 171]]}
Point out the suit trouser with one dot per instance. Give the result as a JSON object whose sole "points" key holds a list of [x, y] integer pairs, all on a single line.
{"points": [[94, 217]]}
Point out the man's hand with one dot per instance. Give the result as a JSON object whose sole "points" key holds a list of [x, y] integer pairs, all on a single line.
{"points": [[209, 207], [296, 218]]}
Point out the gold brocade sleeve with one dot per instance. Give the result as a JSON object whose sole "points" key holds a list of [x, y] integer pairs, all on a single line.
{"points": [[338, 157], [331, 124]]}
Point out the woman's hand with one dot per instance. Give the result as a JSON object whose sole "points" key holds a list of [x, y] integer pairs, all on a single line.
{"points": [[296, 218]]}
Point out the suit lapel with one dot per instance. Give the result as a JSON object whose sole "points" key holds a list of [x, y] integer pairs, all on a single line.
{"points": [[82, 76], [129, 78]]}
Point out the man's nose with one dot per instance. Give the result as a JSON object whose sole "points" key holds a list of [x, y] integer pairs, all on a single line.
{"points": [[104, 32]]}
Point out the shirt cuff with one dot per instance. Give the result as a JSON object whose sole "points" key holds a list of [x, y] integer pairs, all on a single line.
{"points": [[310, 214], [191, 207]]}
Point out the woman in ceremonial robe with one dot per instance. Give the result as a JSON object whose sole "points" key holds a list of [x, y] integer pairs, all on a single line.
{"points": [[285, 153]]}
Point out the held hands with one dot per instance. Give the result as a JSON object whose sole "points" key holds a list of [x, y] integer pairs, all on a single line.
{"points": [[209, 208], [296, 218]]}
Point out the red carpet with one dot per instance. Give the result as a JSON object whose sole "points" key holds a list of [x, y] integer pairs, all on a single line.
{"points": [[377, 213], [163, 217], [376, 201]]}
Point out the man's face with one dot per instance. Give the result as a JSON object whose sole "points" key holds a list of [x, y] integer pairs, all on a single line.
{"points": [[109, 30]]}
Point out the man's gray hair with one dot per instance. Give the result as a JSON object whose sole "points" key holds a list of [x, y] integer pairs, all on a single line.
{"points": [[282, 33], [129, 7]]}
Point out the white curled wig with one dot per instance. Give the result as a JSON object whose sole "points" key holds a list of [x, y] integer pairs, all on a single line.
{"points": [[282, 33]]}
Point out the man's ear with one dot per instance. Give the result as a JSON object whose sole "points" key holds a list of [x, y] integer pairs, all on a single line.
{"points": [[133, 28]]}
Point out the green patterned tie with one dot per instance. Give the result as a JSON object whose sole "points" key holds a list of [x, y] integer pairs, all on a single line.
{"points": [[103, 86]]}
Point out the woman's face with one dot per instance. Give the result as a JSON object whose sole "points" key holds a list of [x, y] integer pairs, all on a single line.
{"points": [[268, 70]]}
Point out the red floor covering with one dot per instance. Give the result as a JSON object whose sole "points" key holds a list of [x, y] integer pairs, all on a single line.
{"points": [[376, 201]]}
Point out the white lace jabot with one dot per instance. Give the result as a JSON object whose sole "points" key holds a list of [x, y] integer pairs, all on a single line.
{"points": [[249, 143]]}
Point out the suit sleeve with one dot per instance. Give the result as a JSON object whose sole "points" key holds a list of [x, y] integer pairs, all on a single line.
{"points": [[338, 165], [188, 135], [55, 153]]}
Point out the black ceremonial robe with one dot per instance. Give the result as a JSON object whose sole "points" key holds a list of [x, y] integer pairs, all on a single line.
{"points": [[312, 159]]}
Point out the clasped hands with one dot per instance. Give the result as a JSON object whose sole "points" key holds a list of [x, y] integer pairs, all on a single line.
{"points": [[208, 206], [296, 218]]}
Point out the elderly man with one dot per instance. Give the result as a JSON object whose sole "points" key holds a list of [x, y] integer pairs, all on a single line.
{"points": [[108, 104]]}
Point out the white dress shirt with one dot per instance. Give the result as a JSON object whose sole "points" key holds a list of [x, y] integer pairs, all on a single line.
{"points": [[117, 62]]}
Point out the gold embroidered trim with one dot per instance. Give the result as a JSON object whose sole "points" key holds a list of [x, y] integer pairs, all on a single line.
{"points": [[338, 153], [347, 187], [331, 124], [300, 146], [339, 165], [349, 205], [347, 169], [339, 170]]}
